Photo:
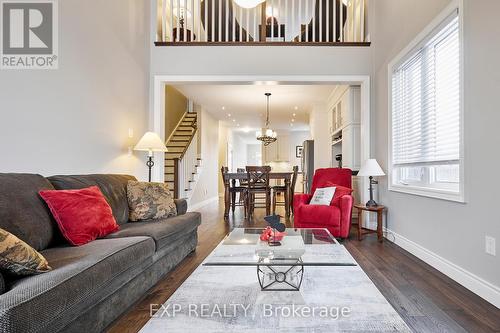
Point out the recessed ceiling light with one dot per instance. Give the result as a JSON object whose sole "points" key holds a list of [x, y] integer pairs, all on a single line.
{"points": [[223, 108], [229, 115], [296, 108], [234, 120], [294, 115], [293, 120]]}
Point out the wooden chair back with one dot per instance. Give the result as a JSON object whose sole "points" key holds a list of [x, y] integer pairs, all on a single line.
{"points": [[243, 182], [294, 178], [258, 176], [224, 170]]}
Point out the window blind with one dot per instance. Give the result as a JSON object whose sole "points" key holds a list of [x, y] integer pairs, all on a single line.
{"points": [[426, 100]]}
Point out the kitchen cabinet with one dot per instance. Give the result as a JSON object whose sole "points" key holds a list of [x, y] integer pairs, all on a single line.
{"points": [[346, 128], [351, 154], [278, 151]]}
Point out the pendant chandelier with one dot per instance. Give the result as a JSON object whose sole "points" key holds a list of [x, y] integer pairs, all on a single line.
{"points": [[248, 3], [269, 136]]}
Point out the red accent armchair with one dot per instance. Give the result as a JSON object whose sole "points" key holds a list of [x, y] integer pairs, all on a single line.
{"points": [[335, 218]]}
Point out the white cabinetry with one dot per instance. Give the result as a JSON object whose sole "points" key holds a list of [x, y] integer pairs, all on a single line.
{"points": [[351, 154], [278, 151], [346, 128]]}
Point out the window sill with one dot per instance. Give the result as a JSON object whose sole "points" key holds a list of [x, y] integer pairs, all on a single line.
{"points": [[429, 193]]}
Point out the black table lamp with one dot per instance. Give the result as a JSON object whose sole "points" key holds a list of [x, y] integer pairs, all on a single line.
{"points": [[371, 169], [150, 142]]}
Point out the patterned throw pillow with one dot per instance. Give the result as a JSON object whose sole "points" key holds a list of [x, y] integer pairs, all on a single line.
{"points": [[148, 201], [18, 258]]}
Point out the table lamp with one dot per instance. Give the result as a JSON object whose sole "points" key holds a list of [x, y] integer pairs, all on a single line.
{"points": [[150, 142], [371, 169]]}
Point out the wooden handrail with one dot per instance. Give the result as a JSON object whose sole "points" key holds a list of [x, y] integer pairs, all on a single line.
{"points": [[195, 129], [194, 43]]}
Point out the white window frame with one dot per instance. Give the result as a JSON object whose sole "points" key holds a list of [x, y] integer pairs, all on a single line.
{"points": [[417, 42]]}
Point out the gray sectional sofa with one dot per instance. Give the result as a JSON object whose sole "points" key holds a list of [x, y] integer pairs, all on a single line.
{"points": [[90, 285]]}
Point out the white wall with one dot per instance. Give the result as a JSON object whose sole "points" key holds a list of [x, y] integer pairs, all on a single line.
{"points": [[297, 138], [254, 154], [225, 138], [76, 119], [206, 187], [239, 146], [453, 231], [234, 60]]}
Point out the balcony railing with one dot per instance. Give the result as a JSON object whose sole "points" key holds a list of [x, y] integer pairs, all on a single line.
{"points": [[272, 22]]}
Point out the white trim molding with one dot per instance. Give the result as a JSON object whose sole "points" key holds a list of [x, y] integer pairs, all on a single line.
{"points": [[474, 283], [160, 80], [459, 196], [203, 203]]}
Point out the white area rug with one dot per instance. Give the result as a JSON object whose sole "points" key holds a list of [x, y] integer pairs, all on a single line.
{"points": [[229, 299]]}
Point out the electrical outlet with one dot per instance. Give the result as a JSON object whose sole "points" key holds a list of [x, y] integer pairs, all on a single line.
{"points": [[490, 247]]}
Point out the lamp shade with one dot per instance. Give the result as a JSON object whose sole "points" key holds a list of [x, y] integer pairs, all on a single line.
{"points": [[371, 168], [150, 142]]}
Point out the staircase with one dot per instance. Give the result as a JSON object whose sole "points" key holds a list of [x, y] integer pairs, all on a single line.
{"points": [[182, 165]]}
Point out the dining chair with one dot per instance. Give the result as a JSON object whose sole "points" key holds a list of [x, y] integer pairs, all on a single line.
{"points": [[258, 184], [241, 190], [281, 189], [242, 182]]}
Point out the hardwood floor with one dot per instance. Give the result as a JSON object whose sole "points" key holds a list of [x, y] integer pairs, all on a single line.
{"points": [[427, 300]]}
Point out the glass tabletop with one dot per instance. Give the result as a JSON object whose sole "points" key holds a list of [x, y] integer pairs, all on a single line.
{"points": [[299, 246]]}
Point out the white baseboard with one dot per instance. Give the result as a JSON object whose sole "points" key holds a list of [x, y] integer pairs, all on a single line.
{"points": [[474, 283], [203, 203]]}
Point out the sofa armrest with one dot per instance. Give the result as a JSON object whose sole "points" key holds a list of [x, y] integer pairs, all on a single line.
{"points": [[346, 203], [2, 284], [181, 205]]}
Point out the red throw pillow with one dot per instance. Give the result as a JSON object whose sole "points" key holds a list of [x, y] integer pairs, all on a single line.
{"points": [[339, 192], [82, 215]]}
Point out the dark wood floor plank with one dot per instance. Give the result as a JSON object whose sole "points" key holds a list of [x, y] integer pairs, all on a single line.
{"points": [[471, 322], [399, 301], [446, 293], [425, 298]]}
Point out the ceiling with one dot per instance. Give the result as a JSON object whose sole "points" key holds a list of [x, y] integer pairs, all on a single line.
{"points": [[245, 105]]}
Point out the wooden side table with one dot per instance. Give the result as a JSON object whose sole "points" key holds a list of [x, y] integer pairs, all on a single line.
{"points": [[364, 231]]}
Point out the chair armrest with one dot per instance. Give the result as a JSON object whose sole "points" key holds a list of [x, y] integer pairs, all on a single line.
{"points": [[301, 199], [181, 205], [346, 203]]}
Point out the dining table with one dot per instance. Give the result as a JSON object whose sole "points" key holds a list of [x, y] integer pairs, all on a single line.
{"points": [[230, 179]]}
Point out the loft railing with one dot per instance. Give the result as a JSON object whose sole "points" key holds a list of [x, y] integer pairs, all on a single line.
{"points": [[273, 22]]}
